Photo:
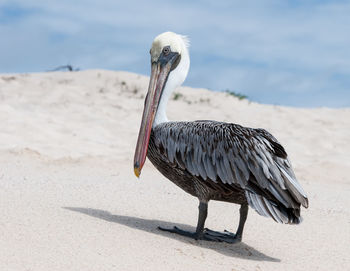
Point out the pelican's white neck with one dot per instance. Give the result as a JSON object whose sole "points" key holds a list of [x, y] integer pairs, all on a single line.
{"points": [[175, 79]]}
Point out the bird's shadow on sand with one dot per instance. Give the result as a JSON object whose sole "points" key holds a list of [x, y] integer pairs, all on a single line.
{"points": [[240, 250]]}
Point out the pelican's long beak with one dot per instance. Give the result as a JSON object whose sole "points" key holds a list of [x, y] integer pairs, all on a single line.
{"points": [[159, 75]]}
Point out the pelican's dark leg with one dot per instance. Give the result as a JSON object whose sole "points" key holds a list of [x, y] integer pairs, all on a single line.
{"points": [[198, 234], [209, 235], [227, 236], [243, 213]]}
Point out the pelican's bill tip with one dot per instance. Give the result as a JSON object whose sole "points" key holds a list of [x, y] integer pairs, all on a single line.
{"points": [[137, 172]]}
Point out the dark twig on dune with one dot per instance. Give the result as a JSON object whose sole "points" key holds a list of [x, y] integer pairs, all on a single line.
{"points": [[65, 67]]}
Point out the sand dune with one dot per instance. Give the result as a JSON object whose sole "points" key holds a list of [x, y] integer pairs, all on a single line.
{"points": [[69, 199]]}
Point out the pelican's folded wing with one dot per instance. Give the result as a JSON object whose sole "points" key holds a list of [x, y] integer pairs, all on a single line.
{"points": [[236, 156]]}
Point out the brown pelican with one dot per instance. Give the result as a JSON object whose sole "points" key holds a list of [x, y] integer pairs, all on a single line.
{"points": [[213, 160]]}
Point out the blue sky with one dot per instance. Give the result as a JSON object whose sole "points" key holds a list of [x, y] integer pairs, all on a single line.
{"points": [[278, 52]]}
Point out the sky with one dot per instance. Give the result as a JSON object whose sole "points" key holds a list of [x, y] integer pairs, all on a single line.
{"points": [[294, 53]]}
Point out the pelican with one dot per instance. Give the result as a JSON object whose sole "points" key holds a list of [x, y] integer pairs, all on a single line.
{"points": [[212, 160]]}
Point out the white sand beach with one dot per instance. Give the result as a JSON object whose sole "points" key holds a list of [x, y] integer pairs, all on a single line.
{"points": [[69, 199]]}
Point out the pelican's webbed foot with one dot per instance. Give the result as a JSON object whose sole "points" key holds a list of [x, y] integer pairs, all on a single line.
{"points": [[226, 236], [207, 235], [176, 230]]}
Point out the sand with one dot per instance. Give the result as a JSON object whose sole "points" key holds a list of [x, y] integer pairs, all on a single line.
{"points": [[69, 199]]}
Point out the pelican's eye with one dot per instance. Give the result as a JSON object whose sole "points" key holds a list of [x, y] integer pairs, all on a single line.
{"points": [[166, 50]]}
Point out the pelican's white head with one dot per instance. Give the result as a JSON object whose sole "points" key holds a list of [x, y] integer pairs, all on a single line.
{"points": [[170, 64], [170, 43], [176, 44]]}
